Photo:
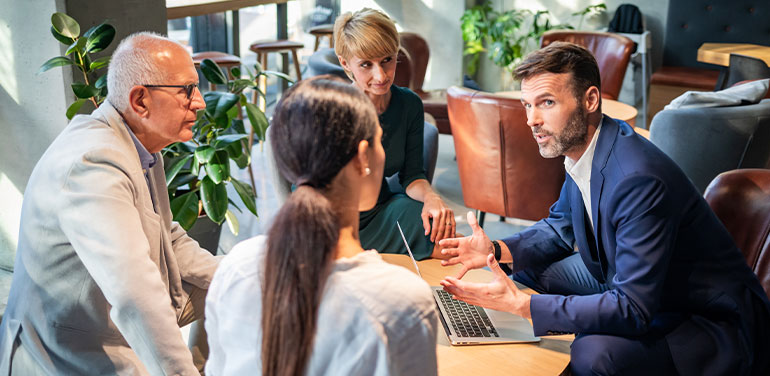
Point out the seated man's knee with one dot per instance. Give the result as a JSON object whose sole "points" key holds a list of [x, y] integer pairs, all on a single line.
{"points": [[590, 355]]}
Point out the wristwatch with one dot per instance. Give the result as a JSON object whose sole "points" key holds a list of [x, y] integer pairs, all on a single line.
{"points": [[498, 251]]}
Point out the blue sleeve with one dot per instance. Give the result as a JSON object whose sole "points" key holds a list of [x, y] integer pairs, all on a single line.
{"points": [[646, 221], [548, 240]]}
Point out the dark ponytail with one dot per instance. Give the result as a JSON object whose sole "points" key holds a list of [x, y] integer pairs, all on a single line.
{"points": [[316, 129]]}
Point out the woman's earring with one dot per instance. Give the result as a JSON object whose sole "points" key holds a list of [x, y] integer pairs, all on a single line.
{"points": [[367, 171]]}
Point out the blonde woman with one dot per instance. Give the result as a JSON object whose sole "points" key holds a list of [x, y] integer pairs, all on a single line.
{"points": [[366, 43]]}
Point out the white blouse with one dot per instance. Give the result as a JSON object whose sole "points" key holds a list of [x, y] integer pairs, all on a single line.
{"points": [[375, 318]]}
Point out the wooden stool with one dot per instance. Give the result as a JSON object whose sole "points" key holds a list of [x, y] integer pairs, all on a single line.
{"points": [[222, 59], [262, 48], [321, 31]]}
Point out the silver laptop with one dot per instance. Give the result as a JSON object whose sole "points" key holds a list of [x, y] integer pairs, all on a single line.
{"points": [[467, 324]]}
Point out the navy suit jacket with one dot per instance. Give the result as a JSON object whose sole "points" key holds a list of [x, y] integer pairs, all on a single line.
{"points": [[674, 268]]}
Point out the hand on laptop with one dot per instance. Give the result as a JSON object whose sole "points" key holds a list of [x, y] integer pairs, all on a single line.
{"points": [[500, 294], [470, 251]]}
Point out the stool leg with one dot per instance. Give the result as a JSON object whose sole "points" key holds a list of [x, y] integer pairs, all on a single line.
{"points": [[296, 64], [331, 41], [262, 103], [317, 42]]}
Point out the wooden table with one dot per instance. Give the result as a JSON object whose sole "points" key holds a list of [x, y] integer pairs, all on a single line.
{"points": [[612, 108], [192, 8], [548, 357], [719, 53]]}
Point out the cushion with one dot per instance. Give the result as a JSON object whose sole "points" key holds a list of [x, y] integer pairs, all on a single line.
{"points": [[748, 93]]}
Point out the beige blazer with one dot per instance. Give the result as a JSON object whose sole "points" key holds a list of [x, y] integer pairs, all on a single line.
{"points": [[101, 273]]}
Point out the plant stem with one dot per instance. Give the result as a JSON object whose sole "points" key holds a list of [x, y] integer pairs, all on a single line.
{"points": [[85, 76]]}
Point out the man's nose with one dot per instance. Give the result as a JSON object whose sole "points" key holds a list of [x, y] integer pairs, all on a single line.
{"points": [[533, 117], [197, 102]]}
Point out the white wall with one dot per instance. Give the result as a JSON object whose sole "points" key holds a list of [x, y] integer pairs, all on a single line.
{"points": [[438, 21], [32, 106]]}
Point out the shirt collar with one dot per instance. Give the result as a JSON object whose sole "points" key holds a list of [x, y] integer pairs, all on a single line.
{"points": [[146, 159], [582, 168]]}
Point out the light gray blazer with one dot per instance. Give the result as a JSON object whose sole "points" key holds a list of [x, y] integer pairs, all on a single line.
{"points": [[101, 274]]}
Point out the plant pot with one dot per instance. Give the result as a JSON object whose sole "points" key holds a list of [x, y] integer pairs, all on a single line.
{"points": [[206, 232]]}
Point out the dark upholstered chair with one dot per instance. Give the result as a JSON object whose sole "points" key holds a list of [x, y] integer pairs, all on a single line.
{"points": [[741, 200], [501, 170], [745, 68], [429, 152], [707, 141], [690, 23], [434, 101], [612, 52]]}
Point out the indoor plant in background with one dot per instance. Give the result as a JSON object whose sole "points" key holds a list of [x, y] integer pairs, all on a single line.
{"points": [[79, 49], [509, 35], [198, 171]]}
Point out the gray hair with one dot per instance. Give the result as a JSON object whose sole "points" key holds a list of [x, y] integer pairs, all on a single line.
{"points": [[132, 64]]}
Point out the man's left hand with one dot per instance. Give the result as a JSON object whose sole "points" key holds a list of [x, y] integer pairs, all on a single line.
{"points": [[500, 294]]}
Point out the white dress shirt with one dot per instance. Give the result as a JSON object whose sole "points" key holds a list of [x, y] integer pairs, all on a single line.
{"points": [[375, 318], [580, 172]]}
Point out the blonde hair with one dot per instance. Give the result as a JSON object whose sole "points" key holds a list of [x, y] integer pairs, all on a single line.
{"points": [[367, 34]]}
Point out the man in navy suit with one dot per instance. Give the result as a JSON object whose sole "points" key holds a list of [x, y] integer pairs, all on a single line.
{"points": [[657, 285]]}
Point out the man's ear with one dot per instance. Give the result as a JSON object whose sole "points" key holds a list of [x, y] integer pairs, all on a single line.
{"points": [[139, 100], [592, 99]]}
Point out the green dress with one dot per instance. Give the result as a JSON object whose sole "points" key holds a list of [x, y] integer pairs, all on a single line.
{"points": [[402, 137]]}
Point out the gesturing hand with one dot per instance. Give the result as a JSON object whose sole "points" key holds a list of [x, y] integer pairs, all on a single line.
{"points": [[500, 294], [470, 251]]}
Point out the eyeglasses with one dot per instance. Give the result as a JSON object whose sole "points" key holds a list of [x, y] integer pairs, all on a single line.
{"points": [[188, 89]]}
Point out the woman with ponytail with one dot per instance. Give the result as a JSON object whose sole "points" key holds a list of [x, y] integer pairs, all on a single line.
{"points": [[366, 43], [307, 299]]}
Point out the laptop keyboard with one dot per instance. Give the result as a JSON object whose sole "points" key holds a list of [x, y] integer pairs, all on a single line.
{"points": [[467, 320]]}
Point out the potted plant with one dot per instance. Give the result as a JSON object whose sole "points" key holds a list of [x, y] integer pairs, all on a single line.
{"points": [[79, 49], [198, 171], [508, 36]]}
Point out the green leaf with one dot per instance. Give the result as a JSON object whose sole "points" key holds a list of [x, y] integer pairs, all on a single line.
{"points": [[223, 141], [232, 222], [235, 71], [65, 25], [278, 74], [185, 209], [58, 61], [78, 46], [258, 120], [204, 153], [61, 38], [75, 107], [100, 63], [238, 126], [175, 165], [218, 167], [84, 91], [99, 37], [183, 178], [101, 82], [213, 72], [247, 195], [214, 198], [217, 105]]}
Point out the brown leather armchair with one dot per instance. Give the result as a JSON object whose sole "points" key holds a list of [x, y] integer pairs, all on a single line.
{"points": [[434, 101], [741, 200], [612, 52], [501, 170]]}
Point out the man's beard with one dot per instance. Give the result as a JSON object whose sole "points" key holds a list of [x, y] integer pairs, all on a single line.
{"points": [[572, 136]]}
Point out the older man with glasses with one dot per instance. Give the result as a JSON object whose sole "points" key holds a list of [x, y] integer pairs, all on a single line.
{"points": [[103, 277]]}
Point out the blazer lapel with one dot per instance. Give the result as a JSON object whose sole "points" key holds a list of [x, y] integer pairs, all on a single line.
{"points": [[583, 233]]}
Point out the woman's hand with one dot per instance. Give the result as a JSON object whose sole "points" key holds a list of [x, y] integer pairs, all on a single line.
{"points": [[443, 217]]}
